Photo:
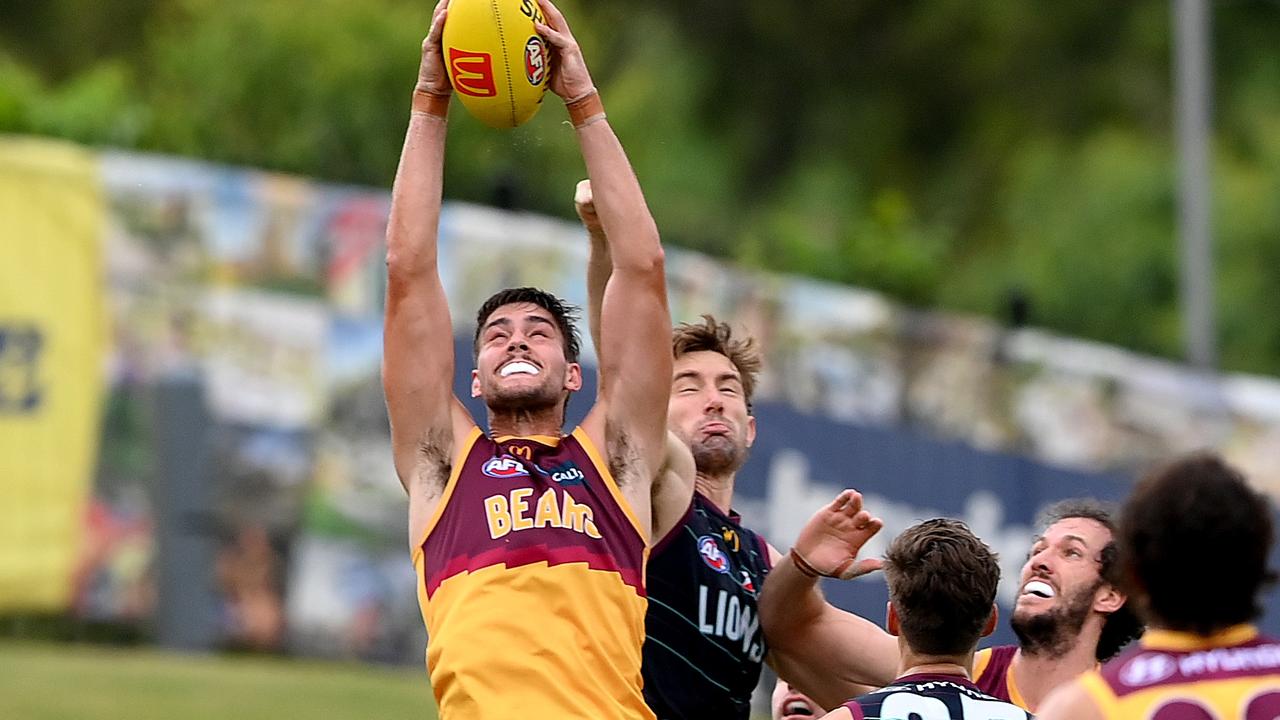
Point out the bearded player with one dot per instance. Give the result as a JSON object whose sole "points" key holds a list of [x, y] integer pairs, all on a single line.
{"points": [[1069, 614], [529, 543], [1194, 541]]}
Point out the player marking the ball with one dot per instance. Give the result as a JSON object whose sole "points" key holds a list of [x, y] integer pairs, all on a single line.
{"points": [[529, 543]]}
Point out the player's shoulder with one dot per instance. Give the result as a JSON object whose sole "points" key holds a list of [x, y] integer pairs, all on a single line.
{"points": [[990, 666], [927, 695], [1079, 699]]}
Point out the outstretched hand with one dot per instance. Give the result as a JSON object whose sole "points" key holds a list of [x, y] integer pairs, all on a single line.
{"points": [[569, 76], [433, 76], [830, 542]]}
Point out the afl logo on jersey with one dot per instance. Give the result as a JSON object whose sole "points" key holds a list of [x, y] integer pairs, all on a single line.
{"points": [[503, 467], [712, 555], [747, 583]]}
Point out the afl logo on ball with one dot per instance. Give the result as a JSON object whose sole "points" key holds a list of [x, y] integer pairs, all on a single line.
{"points": [[535, 60], [712, 555], [503, 467]]}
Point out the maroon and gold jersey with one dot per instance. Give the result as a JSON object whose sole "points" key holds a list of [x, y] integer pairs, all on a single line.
{"points": [[1232, 675], [531, 583], [993, 675]]}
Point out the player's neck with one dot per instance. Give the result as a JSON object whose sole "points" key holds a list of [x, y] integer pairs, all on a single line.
{"points": [[914, 663], [1038, 674], [525, 423], [716, 488]]}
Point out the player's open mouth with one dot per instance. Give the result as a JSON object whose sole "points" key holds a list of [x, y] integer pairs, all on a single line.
{"points": [[1038, 588], [518, 367], [797, 708]]}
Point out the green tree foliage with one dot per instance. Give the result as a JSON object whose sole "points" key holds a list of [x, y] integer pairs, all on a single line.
{"points": [[948, 152]]}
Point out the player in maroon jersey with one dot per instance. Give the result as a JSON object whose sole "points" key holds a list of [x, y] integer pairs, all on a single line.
{"points": [[529, 541], [1194, 541], [1068, 615]]}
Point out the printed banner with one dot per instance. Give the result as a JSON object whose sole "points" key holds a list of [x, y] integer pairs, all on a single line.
{"points": [[52, 336]]}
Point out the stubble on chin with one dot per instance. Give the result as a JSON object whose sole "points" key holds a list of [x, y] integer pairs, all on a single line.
{"points": [[717, 456]]}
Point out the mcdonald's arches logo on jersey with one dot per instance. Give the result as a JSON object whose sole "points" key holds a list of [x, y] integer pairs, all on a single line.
{"points": [[472, 73]]}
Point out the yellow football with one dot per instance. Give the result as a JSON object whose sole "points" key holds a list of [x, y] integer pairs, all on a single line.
{"points": [[497, 62]]}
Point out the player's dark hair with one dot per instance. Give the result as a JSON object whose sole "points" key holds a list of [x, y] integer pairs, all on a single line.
{"points": [[1196, 521], [712, 336], [565, 315], [1123, 625], [942, 582]]}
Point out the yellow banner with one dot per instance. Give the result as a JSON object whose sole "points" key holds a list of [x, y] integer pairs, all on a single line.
{"points": [[52, 340]]}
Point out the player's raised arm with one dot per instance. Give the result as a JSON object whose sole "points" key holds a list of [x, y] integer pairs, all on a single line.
{"points": [[673, 485], [635, 323], [599, 262], [417, 362], [826, 652]]}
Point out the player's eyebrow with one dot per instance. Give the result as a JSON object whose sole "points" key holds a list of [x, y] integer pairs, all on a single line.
{"points": [[729, 376], [496, 322], [687, 375], [538, 319]]}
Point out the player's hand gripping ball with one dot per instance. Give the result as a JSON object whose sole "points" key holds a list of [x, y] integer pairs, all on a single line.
{"points": [[498, 64]]}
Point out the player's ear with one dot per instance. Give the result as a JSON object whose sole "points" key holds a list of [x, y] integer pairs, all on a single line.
{"points": [[1107, 599], [990, 627], [891, 622], [475, 383], [573, 377], [751, 430]]}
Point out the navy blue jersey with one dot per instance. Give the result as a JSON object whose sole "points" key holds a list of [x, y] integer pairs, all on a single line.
{"points": [[703, 643], [932, 697]]}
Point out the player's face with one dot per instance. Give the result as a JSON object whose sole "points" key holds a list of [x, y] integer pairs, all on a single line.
{"points": [[521, 362], [788, 704], [708, 411], [1064, 565]]}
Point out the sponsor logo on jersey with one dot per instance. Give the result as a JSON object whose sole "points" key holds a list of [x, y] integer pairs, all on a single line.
{"points": [[712, 555], [1148, 668], [747, 583], [504, 466], [566, 473]]}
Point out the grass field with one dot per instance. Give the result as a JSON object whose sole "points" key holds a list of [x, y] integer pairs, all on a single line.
{"points": [[84, 682]]}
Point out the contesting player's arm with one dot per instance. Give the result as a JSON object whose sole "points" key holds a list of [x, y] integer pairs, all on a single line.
{"points": [[827, 653], [630, 414], [427, 421], [788, 666], [673, 487]]}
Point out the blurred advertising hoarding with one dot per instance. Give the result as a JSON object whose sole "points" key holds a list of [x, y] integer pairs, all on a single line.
{"points": [[52, 341], [269, 289]]}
